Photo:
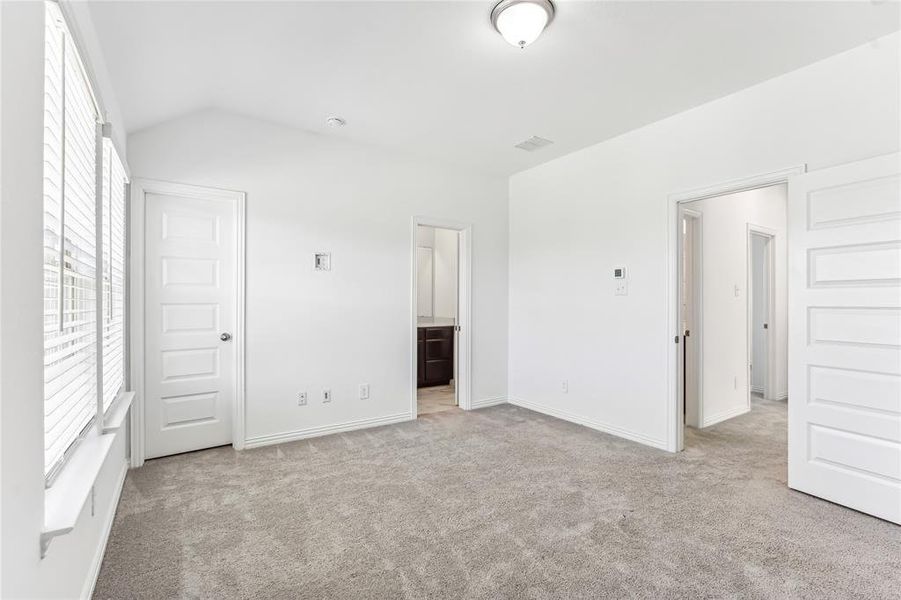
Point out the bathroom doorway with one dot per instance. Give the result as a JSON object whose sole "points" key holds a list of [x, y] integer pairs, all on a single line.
{"points": [[440, 308]]}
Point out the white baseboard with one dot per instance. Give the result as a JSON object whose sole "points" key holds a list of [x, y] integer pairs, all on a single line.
{"points": [[485, 402], [302, 434], [97, 561], [725, 415], [757, 389], [603, 427]]}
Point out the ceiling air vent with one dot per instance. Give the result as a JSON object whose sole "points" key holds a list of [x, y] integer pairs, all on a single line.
{"points": [[533, 143]]}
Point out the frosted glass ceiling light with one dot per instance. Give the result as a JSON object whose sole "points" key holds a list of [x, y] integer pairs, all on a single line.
{"points": [[522, 21]]}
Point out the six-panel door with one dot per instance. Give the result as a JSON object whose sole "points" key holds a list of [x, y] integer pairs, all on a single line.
{"points": [[190, 315], [844, 401]]}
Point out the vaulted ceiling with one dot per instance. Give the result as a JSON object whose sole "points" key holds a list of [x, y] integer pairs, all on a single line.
{"points": [[434, 79]]}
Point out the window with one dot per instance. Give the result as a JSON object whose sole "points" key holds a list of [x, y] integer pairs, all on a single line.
{"points": [[114, 185], [75, 281]]}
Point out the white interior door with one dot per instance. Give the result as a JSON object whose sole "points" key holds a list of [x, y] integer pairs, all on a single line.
{"points": [[844, 401], [190, 303], [760, 294], [690, 316]]}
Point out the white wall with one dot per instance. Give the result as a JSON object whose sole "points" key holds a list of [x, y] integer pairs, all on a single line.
{"points": [[575, 218], [309, 330], [70, 565], [446, 273], [724, 318]]}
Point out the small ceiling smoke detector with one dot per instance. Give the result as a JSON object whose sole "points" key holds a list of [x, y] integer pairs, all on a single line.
{"points": [[533, 143], [520, 22], [335, 122]]}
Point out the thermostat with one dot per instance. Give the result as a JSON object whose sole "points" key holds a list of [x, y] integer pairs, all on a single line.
{"points": [[323, 261], [619, 273]]}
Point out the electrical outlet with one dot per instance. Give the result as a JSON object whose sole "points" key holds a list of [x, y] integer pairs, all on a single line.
{"points": [[326, 396], [565, 386], [621, 288], [364, 391], [301, 398]]}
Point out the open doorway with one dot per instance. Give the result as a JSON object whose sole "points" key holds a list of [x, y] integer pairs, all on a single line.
{"points": [[440, 310], [732, 303]]}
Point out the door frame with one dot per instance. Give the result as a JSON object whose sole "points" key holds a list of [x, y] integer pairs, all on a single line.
{"points": [[463, 351], [675, 441], [769, 383], [139, 188]]}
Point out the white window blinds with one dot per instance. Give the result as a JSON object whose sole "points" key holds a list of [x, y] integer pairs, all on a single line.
{"points": [[73, 275], [114, 182]]}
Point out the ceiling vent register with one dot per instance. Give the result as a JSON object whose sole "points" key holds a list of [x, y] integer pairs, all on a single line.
{"points": [[533, 143]]}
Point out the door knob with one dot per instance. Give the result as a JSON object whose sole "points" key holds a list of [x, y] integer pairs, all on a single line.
{"points": [[225, 336]]}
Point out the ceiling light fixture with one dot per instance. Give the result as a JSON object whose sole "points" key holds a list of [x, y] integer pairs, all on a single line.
{"points": [[335, 122], [520, 22]]}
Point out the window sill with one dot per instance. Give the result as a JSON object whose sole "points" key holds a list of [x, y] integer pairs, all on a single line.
{"points": [[115, 415], [65, 499]]}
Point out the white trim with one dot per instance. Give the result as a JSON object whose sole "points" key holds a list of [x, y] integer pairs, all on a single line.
{"points": [[734, 186], [726, 415], [99, 321], [66, 497], [311, 432], [97, 561], [486, 402], [463, 350], [117, 412], [675, 430], [139, 188], [136, 322], [239, 416], [596, 425]]}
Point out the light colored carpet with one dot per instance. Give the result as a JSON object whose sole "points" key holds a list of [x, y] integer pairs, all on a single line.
{"points": [[496, 503], [434, 399]]}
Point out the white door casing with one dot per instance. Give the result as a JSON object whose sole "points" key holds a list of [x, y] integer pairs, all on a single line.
{"points": [[191, 301], [844, 438]]}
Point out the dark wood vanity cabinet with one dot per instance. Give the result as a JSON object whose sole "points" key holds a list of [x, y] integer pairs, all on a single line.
{"points": [[435, 356]]}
